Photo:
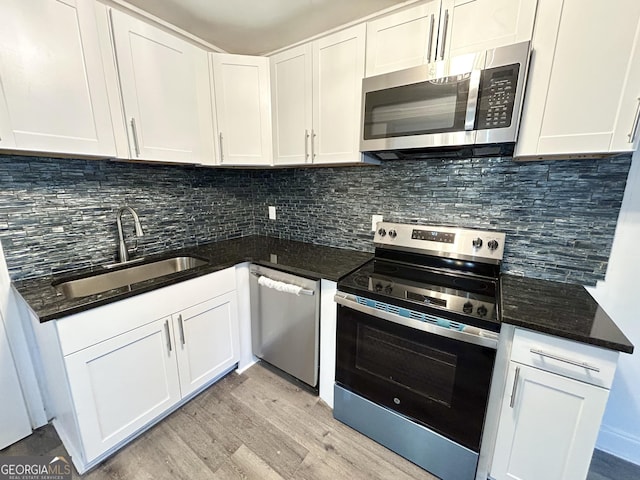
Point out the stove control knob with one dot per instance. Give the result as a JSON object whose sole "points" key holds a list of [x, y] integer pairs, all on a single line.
{"points": [[477, 242], [393, 233], [482, 311], [388, 289], [382, 232], [493, 244], [467, 307], [378, 287]]}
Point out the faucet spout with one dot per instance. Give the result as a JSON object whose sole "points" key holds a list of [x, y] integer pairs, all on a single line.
{"points": [[122, 246]]}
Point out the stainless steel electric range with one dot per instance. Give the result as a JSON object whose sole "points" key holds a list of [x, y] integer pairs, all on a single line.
{"points": [[416, 344]]}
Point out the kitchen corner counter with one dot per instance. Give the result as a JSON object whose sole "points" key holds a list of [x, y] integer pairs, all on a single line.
{"points": [[560, 309], [314, 261]]}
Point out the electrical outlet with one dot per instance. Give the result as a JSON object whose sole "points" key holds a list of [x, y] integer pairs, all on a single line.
{"points": [[272, 213], [374, 220]]}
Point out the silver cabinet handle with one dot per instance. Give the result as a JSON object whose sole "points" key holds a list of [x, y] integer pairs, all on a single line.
{"points": [[634, 127], [564, 359], [313, 147], [431, 25], [134, 132], [444, 34], [166, 330], [306, 147], [220, 146], [514, 389], [181, 325]]}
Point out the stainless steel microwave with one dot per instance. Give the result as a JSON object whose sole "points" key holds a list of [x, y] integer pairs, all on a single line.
{"points": [[471, 100]]}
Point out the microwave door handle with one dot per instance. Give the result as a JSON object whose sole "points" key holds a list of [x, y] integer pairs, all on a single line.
{"points": [[472, 103]]}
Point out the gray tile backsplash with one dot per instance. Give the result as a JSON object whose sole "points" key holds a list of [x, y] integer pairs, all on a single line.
{"points": [[559, 216], [58, 214]]}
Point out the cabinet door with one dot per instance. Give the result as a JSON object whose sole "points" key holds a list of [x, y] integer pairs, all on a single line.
{"points": [[548, 426], [469, 26], [208, 341], [53, 96], [243, 108], [165, 92], [582, 94], [120, 385], [402, 40], [291, 94], [338, 63]]}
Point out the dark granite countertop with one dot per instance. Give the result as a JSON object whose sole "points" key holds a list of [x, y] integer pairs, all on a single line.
{"points": [[560, 309], [299, 258]]}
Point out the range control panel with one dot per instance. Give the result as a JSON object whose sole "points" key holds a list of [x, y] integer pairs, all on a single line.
{"points": [[462, 243]]}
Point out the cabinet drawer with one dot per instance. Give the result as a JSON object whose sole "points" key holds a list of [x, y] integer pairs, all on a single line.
{"points": [[579, 361]]}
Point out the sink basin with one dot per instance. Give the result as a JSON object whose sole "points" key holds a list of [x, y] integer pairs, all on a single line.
{"points": [[103, 282]]}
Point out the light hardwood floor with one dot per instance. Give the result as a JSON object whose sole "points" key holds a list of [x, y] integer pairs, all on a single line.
{"points": [[251, 426], [259, 426]]}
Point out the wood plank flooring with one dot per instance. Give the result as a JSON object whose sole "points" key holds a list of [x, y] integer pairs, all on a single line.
{"points": [[257, 425]]}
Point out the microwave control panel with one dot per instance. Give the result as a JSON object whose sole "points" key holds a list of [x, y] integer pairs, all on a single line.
{"points": [[497, 96]]}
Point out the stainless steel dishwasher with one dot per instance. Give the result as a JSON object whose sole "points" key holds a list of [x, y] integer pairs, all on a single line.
{"points": [[285, 322]]}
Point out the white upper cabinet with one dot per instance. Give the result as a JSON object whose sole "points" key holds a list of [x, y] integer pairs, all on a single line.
{"points": [[166, 96], [468, 26], [402, 40], [316, 91], [243, 108], [584, 80], [292, 93], [441, 29], [53, 96], [338, 62]]}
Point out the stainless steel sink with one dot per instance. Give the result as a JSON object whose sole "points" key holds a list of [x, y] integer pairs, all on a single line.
{"points": [[103, 282]]}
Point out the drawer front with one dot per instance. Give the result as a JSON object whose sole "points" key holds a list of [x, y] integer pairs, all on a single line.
{"points": [[586, 363]]}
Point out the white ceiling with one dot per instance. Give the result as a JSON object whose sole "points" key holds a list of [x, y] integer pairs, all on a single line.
{"points": [[255, 27]]}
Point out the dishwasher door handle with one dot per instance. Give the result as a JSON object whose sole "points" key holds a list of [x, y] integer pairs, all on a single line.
{"points": [[303, 291]]}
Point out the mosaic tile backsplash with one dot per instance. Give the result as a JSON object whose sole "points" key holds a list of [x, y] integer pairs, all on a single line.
{"points": [[560, 216], [60, 214]]}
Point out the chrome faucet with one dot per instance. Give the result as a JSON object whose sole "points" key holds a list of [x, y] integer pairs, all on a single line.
{"points": [[122, 246]]}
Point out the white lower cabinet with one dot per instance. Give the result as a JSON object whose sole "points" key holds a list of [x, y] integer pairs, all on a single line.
{"points": [[555, 396], [550, 430], [207, 341], [114, 370], [121, 384]]}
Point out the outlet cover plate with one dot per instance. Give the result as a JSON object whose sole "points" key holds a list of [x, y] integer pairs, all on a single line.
{"points": [[374, 220]]}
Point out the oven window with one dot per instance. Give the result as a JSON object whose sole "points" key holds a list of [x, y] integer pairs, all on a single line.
{"points": [[417, 109], [426, 371]]}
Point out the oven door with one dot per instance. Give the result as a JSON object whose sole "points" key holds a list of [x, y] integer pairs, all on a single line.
{"points": [[441, 382]]}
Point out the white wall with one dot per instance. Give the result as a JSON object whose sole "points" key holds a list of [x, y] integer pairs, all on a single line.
{"points": [[619, 295], [19, 344]]}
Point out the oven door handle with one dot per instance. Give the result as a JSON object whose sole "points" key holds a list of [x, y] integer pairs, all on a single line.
{"points": [[474, 335]]}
